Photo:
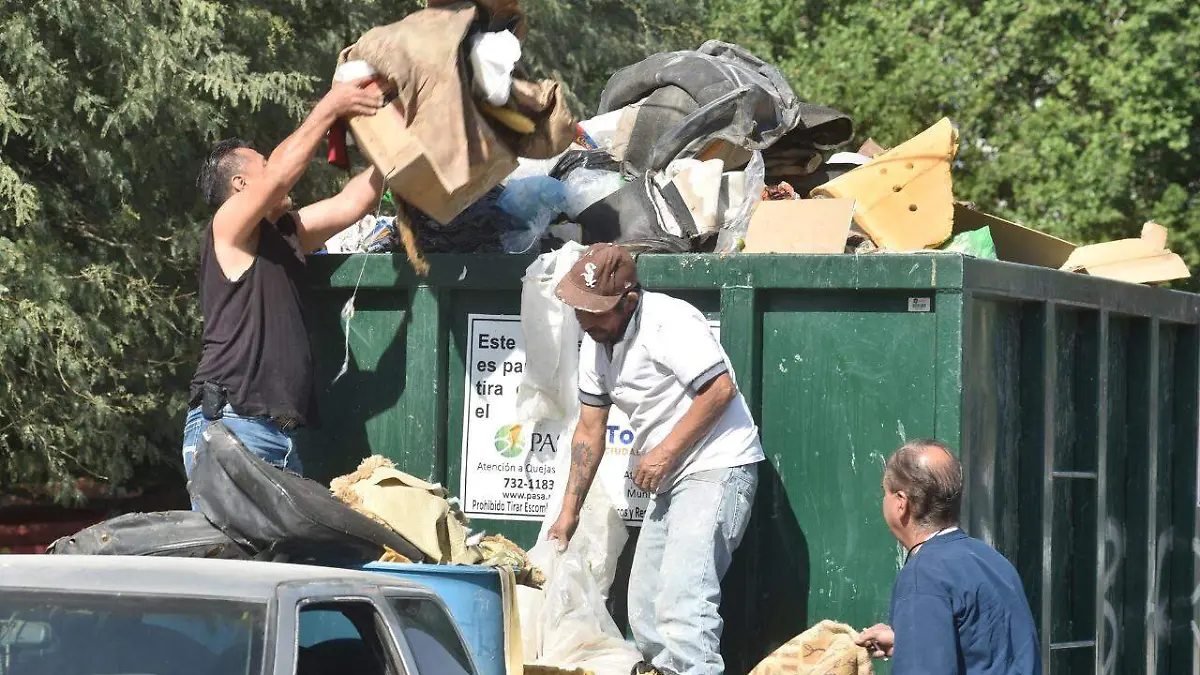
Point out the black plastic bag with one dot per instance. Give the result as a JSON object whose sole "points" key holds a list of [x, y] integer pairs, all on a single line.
{"points": [[282, 516], [717, 92], [584, 159], [629, 217], [181, 534]]}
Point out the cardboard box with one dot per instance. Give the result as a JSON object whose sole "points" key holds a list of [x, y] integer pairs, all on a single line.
{"points": [[871, 149], [1145, 260], [800, 226], [1015, 243], [401, 157]]}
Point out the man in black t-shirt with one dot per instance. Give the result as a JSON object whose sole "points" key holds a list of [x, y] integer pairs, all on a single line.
{"points": [[255, 372]]}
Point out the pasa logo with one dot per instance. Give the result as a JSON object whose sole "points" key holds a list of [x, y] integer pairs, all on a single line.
{"points": [[508, 441]]}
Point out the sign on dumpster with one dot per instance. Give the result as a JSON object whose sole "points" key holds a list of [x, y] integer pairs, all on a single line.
{"points": [[508, 471]]}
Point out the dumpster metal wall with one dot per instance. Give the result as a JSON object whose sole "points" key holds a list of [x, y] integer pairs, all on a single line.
{"points": [[1073, 402]]}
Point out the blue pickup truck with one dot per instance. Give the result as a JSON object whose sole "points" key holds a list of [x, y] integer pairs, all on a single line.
{"points": [[115, 615]]}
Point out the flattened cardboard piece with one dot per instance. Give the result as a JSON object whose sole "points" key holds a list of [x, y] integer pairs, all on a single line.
{"points": [[800, 226], [1157, 268], [1144, 260], [905, 196], [699, 184], [1154, 234], [410, 163], [871, 149], [1015, 243], [730, 155], [625, 125]]}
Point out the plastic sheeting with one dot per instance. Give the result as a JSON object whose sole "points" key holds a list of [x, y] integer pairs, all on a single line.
{"points": [[548, 388], [566, 624], [718, 92]]}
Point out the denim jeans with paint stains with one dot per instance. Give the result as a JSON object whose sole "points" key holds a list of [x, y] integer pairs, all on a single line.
{"points": [[260, 435], [685, 547]]}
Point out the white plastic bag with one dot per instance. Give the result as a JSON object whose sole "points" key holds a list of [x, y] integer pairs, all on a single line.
{"points": [[548, 389], [603, 128], [353, 70], [528, 168], [737, 216], [351, 239], [493, 56], [566, 625], [562, 467], [588, 186]]}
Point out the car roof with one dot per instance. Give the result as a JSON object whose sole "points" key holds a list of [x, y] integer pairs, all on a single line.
{"points": [[193, 577]]}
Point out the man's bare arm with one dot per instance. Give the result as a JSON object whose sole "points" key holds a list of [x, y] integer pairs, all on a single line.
{"points": [[701, 416], [320, 221], [587, 449], [235, 221]]}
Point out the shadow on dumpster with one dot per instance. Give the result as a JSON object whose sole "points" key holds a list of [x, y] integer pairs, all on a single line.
{"points": [[372, 385], [766, 590]]}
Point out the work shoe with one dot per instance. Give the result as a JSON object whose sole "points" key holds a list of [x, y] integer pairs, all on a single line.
{"points": [[643, 668]]}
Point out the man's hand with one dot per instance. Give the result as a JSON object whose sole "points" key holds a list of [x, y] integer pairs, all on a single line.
{"points": [[348, 99], [654, 468], [563, 529], [879, 641]]}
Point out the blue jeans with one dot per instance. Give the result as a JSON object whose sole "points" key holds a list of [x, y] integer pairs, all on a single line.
{"points": [[685, 547], [260, 435]]}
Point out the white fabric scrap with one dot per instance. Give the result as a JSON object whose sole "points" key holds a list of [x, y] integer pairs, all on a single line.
{"points": [[493, 57]]}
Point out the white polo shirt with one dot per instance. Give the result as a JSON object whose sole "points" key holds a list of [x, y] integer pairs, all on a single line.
{"points": [[667, 354]]}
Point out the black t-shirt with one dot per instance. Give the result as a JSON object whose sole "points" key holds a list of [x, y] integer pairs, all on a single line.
{"points": [[255, 340]]}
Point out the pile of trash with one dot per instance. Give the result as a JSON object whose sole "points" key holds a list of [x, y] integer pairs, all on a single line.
{"points": [[249, 510], [705, 150], [474, 155], [427, 516]]}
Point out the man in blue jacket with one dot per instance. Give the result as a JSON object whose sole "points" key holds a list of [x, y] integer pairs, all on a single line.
{"points": [[958, 606]]}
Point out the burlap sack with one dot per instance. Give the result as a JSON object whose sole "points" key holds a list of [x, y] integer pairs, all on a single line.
{"points": [[825, 649]]}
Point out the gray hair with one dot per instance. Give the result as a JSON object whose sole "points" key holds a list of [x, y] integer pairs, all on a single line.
{"points": [[934, 486]]}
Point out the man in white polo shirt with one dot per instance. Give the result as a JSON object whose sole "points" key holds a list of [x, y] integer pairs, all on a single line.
{"points": [[655, 358]]}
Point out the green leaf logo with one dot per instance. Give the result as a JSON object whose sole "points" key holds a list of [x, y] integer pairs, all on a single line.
{"points": [[508, 441]]}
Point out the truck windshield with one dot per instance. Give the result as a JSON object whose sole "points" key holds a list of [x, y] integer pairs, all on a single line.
{"points": [[84, 634]]}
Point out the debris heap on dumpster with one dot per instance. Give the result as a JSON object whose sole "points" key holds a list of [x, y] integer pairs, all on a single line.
{"points": [[706, 150]]}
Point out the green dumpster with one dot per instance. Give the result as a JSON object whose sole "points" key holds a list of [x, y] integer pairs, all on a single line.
{"points": [[1072, 400]]}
